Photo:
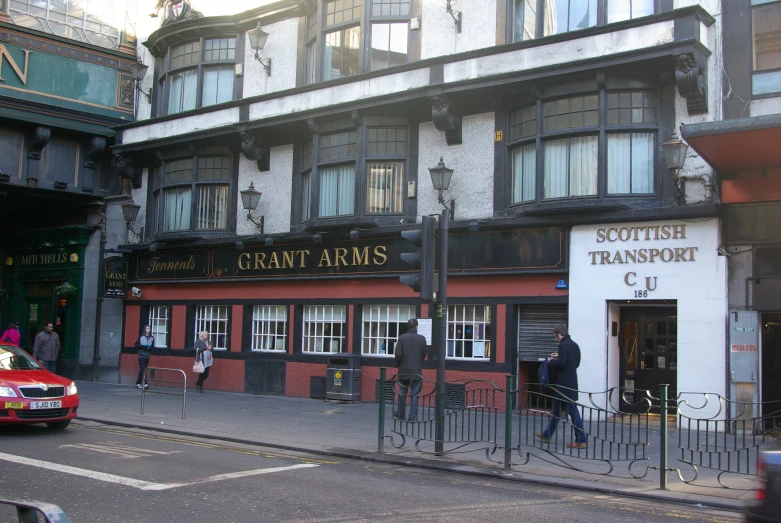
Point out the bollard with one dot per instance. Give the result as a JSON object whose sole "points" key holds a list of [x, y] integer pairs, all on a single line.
{"points": [[663, 436], [508, 421], [381, 423]]}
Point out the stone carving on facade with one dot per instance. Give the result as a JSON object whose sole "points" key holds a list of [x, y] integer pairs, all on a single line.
{"points": [[41, 137], [255, 150], [691, 79], [126, 169], [96, 147], [177, 11], [446, 120], [127, 91]]}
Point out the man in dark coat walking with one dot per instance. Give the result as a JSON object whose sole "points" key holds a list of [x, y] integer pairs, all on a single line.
{"points": [[566, 362], [410, 352]]}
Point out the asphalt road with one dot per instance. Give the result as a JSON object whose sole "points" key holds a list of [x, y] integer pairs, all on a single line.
{"points": [[98, 473]]}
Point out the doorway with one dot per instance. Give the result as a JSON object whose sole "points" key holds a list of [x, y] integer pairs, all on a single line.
{"points": [[771, 358], [649, 355]]}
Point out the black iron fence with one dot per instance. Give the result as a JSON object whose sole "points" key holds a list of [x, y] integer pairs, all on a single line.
{"points": [[595, 433]]}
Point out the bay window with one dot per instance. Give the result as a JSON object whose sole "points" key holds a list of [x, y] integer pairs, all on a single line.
{"points": [[590, 146], [766, 46]]}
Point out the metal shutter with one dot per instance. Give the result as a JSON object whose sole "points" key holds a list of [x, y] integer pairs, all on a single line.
{"points": [[535, 330]]}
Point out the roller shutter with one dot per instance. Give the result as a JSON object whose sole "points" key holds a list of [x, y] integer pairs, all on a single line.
{"points": [[535, 330]]}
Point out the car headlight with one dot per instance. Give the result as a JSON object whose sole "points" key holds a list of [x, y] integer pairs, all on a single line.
{"points": [[72, 389], [8, 392]]}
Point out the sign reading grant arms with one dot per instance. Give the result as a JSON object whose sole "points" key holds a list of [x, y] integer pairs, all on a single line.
{"points": [[509, 251]]}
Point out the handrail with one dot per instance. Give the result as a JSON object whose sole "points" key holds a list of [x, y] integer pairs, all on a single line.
{"points": [[184, 389], [28, 510]]}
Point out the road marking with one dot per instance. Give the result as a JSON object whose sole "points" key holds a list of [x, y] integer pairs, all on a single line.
{"points": [[123, 451], [141, 484]]}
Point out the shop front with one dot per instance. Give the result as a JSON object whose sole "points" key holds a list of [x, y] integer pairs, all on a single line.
{"points": [[648, 306], [278, 314]]}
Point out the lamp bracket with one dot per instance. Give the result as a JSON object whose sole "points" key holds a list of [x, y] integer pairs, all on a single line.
{"points": [[258, 223], [456, 15], [445, 119], [444, 203], [266, 65], [255, 150], [148, 93], [139, 233]]}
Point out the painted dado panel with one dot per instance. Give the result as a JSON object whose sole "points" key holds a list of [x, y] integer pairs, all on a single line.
{"points": [[49, 73], [639, 263]]}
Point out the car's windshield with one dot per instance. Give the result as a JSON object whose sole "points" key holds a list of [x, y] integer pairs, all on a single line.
{"points": [[14, 358]]}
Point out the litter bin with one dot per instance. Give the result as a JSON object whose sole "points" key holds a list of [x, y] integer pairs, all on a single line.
{"points": [[343, 380]]}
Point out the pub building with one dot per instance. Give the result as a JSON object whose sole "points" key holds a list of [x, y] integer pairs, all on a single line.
{"points": [[288, 146], [65, 83]]}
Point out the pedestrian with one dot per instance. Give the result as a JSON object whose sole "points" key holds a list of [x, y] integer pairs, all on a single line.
{"points": [[410, 352], [144, 345], [21, 334], [11, 335], [46, 347], [566, 362], [203, 353]]}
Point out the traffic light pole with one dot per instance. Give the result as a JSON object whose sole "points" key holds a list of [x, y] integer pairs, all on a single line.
{"points": [[441, 339]]}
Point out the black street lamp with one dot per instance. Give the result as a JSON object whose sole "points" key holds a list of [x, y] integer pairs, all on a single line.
{"points": [[440, 179], [250, 199], [674, 151], [257, 41]]}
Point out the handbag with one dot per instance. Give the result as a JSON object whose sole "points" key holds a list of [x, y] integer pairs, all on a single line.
{"points": [[198, 367]]}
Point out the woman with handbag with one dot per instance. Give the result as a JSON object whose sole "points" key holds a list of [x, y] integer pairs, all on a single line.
{"points": [[203, 359]]}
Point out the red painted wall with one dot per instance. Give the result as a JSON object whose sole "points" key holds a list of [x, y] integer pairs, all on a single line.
{"points": [[297, 377], [237, 320], [132, 324], [226, 375], [178, 320]]}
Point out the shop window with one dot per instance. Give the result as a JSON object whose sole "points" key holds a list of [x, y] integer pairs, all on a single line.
{"points": [[562, 16], [324, 329], [198, 73], [561, 156], [192, 194], [11, 149], [269, 328], [61, 163], [352, 181], [96, 23], [159, 321], [214, 320], [344, 29], [469, 332], [766, 43], [381, 327]]}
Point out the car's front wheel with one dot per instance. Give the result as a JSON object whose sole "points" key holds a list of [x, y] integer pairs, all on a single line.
{"points": [[58, 425]]}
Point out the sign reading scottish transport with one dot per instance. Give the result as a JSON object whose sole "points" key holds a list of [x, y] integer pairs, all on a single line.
{"points": [[512, 251]]}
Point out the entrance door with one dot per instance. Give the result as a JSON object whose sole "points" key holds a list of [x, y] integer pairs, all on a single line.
{"points": [[771, 359], [649, 356], [39, 310]]}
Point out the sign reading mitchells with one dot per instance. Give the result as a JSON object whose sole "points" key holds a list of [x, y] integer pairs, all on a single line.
{"points": [[115, 277], [511, 251]]}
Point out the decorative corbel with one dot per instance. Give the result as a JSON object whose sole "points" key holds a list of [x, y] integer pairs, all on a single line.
{"points": [[312, 125], [601, 80], [691, 79], [356, 118], [126, 169], [41, 137], [96, 148], [445, 119], [256, 151]]}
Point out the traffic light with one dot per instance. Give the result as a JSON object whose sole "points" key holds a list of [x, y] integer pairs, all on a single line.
{"points": [[422, 259]]}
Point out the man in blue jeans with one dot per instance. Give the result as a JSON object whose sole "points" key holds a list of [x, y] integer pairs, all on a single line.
{"points": [[410, 352], [565, 362]]}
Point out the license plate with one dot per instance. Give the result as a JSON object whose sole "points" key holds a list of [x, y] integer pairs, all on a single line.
{"points": [[14, 405], [45, 404]]}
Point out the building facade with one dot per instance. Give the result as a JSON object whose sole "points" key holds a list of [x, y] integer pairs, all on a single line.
{"points": [[563, 210], [64, 86]]}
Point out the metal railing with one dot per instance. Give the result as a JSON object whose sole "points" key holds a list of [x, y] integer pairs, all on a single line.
{"points": [[636, 429], [28, 511], [153, 371]]}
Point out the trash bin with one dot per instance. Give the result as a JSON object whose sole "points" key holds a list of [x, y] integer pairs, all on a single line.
{"points": [[343, 380]]}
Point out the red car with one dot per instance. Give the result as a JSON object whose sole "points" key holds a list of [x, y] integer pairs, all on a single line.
{"points": [[31, 394]]}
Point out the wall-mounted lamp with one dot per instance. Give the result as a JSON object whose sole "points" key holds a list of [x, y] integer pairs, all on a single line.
{"points": [[130, 213], [257, 41], [355, 234], [60, 185], [456, 15], [674, 151], [32, 182], [249, 199], [269, 241], [440, 178], [138, 72]]}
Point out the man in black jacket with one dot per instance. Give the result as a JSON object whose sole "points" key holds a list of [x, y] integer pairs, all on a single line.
{"points": [[566, 362], [410, 352]]}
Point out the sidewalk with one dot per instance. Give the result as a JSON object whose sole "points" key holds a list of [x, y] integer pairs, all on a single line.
{"points": [[350, 431]]}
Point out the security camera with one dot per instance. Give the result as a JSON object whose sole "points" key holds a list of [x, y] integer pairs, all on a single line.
{"points": [[136, 292]]}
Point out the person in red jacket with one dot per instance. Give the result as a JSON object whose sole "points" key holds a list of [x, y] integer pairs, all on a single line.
{"points": [[11, 335]]}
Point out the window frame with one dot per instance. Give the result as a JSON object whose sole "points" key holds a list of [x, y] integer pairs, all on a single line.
{"points": [[266, 321], [306, 314], [167, 71], [198, 327], [489, 339], [150, 309], [401, 324], [361, 161], [320, 29], [158, 187], [752, 71], [602, 130]]}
